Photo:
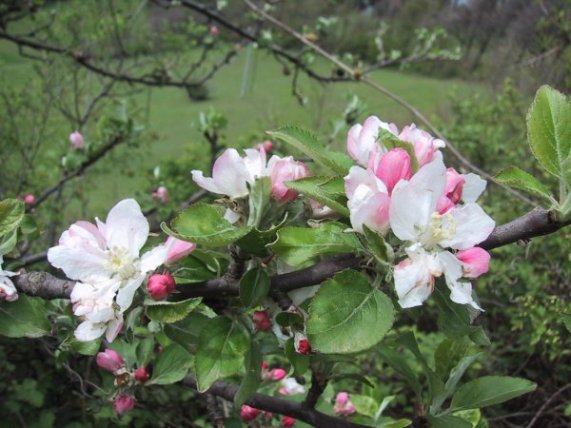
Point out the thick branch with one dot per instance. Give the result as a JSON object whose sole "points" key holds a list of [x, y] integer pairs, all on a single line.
{"points": [[277, 405], [42, 284]]}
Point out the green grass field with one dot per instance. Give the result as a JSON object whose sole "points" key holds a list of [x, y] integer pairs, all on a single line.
{"points": [[267, 103]]}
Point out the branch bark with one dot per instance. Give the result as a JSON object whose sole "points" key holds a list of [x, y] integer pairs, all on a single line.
{"points": [[277, 405]]}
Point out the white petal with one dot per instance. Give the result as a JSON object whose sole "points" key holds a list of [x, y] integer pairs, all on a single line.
{"points": [[114, 328], [409, 211], [206, 183], [79, 263], [230, 174], [413, 283], [359, 176], [460, 291], [152, 259], [7, 290], [127, 292], [88, 331], [431, 178], [127, 227], [473, 226], [255, 162], [231, 216], [370, 208], [474, 186]]}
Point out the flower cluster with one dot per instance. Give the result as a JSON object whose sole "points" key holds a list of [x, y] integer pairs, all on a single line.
{"points": [[433, 210], [104, 258], [232, 174]]}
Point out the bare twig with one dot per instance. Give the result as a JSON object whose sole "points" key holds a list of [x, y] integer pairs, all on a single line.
{"points": [[546, 404]]}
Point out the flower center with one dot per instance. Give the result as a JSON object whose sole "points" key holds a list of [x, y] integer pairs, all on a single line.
{"points": [[120, 262], [441, 226]]}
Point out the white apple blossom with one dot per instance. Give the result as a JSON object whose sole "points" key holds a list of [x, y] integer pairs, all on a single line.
{"points": [[414, 217], [362, 139], [8, 291], [105, 260]]}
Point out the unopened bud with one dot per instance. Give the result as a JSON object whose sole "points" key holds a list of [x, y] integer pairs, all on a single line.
{"points": [[142, 375], [76, 141], [302, 346], [262, 320], [248, 414], [214, 30], [123, 403], [161, 195], [109, 360], [160, 286], [29, 199], [288, 421]]}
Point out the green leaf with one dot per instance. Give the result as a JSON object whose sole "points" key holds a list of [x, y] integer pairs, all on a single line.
{"points": [[254, 287], [169, 312], [455, 375], [171, 366], [399, 363], [348, 315], [448, 422], [290, 319], [187, 331], [11, 214], [205, 225], [26, 317], [8, 242], [193, 269], [256, 240], [252, 378], [549, 129], [258, 200], [307, 143], [86, 348], [353, 376], [221, 349], [365, 405], [324, 190], [299, 245], [515, 177], [488, 391], [377, 245]]}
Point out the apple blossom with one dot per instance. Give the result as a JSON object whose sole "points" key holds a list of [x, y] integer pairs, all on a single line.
{"points": [[160, 286], [105, 260], [231, 174], [161, 194], [368, 200], [247, 413], [475, 261], [177, 249], [391, 167], [343, 405], [123, 403], [281, 170], [425, 145], [142, 375], [29, 199], [414, 218], [213, 30], [362, 140], [8, 291], [291, 387], [109, 360], [277, 374], [287, 421], [302, 345], [76, 141]]}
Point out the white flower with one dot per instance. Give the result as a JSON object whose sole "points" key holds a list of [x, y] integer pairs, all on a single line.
{"points": [[291, 387], [105, 260], [413, 217], [8, 291], [362, 139]]}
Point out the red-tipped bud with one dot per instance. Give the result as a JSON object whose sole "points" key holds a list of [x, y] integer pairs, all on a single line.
{"points": [[277, 374], [142, 375], [248, 414], [262, 320], [264, 365], [109, 360], [123, 403], [160, 286], [288, 421], [29, 199], [267, 145], [302, 346]]}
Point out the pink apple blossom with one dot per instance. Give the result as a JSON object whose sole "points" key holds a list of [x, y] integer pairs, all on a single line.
{"points": [[76, 141], [425, 145], [109, 360], [475, 261], [281, 170], [29, 199], [177, 249], [362, 140], [123, 403], [291, 387], [343, 405], [213, 30], [161, 194], [391, 167]]}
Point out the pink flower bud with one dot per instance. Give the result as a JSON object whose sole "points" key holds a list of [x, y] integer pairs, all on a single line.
{"points": [[160, 286], [178, 249], [425, 145], [475, 261], [392, 167], [76, 141], [262, 320], [302, 346], [277, 374], [264, 365], [248, 414], [444, 204], [161, 195], [281, 171], [454, 185], [29, 199], [268, 146], [142, 375], [109, 360], [342, 398], [123, 403], [288, 421], [213, 30]]}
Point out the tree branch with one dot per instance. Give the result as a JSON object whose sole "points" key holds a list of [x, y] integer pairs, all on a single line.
{"points": [[277, 405]]}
